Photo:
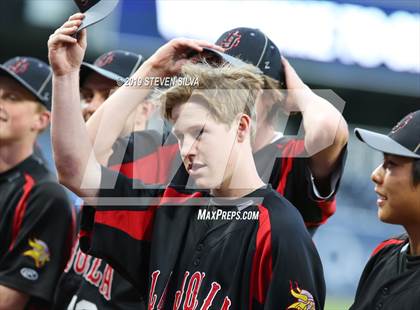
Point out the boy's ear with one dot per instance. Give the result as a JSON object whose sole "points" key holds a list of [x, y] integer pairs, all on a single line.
{"points": [[42, 121], [244, 127]]}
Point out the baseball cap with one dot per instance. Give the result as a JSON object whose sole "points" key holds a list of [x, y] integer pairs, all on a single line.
{"points": [[115, 65], [402, 140], [95, 10], [31, 73], [253, 46]]}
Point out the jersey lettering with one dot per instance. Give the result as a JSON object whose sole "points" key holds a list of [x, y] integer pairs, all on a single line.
{"points": [[162, 300], [153, 296], [226, 304], [179, 294], [193, 287], [191, 301], [215, 287], [106, 284], [94, 276], [82, 263], [90, 268]]}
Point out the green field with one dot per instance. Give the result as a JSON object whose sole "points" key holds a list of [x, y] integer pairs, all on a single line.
{"points": [[337, 304]]}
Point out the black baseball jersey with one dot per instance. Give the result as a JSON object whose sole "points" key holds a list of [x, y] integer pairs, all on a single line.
{"points": [[90, 283], [180, 261], [391, 278], [283, 164], [36, 231]]}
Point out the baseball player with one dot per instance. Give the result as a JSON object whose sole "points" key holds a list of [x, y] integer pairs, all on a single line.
{"points": [[307, 178], [391, 278], [89, 281], [165, 251], [36, 220]]}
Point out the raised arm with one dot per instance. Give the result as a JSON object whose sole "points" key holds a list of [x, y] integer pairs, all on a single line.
{"points": [[326, 131], [71, 145], [77, 166], [108, 122]]}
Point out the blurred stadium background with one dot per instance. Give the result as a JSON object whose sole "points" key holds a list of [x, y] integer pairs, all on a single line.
{"points": [[366, 51]]}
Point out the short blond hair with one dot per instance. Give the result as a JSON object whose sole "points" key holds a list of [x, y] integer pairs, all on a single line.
{"points": [[227, 91]]}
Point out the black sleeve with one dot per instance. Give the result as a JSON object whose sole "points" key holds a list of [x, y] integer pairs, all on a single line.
{"points": [[300, 189], [120, 230], [35, 262]]}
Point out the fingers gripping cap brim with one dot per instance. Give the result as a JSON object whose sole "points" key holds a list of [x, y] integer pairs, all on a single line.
{"points": [[383, 143], [98, 12]]}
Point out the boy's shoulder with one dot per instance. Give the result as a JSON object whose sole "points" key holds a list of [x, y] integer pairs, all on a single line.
{"points": [[284, 217]]}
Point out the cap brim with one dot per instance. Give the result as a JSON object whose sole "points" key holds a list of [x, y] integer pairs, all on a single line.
{"points": [[98, 12], [383, 143], [87, 68], [230, 59], [23, 83]]}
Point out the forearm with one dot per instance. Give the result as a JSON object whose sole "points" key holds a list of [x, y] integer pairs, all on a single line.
{"points": [[326, 134], [12, 299], [324, 125], [71, 145], [110, 120]]}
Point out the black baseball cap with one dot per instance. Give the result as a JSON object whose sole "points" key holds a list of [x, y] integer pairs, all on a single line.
{"points": [[95, 10], [115, 65], [253, 46], [402, 140], [31, 73]]}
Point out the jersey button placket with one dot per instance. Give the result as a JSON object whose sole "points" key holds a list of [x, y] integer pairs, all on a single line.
{"points": [[385, 291], [200, 247], [197, 262], [379, 306]]}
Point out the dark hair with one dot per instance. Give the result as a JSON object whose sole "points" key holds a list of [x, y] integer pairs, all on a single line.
{"points": [[416, 172]]}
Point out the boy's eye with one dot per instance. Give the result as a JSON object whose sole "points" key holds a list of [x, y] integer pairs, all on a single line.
{"points": [[389, 164]]}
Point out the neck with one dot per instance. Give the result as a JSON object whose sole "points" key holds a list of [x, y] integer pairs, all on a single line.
{"points": [[244, 180], [414, 239], [13, 154], [264, 135]]}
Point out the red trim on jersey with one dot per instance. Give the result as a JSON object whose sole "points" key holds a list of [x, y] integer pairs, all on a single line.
{"points": [[21, 209], [290, 150], [150, 169], [137, 224], [173, 196], [328, 209], [262, 264], [384, 244], [85, 234]]}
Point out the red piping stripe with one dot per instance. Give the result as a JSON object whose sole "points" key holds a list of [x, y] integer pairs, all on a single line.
{"points": [[384, 244], [262, 264], [21, 209], [291, 150]]}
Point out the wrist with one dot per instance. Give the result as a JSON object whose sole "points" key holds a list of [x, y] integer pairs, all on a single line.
{"points": [[69, 77], [150, 69]]}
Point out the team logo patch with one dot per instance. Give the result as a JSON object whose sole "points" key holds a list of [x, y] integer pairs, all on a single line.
{"points": [[232, 40], [105, 60], [29, 273], [304, 299], [20, 67], [39, 252], [404, 122]]}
